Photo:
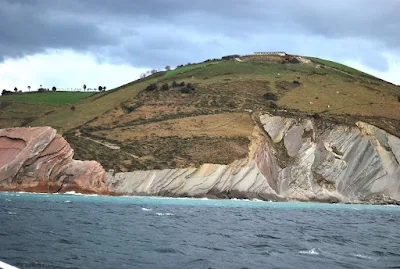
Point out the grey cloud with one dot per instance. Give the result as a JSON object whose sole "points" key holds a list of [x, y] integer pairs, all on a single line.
{"points": [[27, 29], [159, 32]]}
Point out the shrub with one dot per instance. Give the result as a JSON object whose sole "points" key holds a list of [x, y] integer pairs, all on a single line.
{"points": [[316, 116], [188, 88], [273, 105], [182, 84], [175, 84], [129, 109], [164, 87], [296, 83], [271, 96], [73, 108], [398, 98], [151, 87]]}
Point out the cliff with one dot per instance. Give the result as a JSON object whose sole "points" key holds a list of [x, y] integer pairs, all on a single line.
{"points": [[289, 159], [39, 160]]}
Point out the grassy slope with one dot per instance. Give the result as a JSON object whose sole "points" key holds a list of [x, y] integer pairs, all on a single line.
{"points": [[342, 67], [175, 128], [186, 68], [47, 97]]}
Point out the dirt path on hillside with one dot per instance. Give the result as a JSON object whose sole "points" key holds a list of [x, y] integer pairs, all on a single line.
{"points": [[110, 146]]}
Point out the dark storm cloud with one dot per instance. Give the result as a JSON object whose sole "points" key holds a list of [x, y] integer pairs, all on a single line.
{"points": [[26, 28], [158, 32]]}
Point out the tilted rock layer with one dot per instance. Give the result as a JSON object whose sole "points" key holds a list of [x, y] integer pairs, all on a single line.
{"points": [[39, 160], [289, 159]]}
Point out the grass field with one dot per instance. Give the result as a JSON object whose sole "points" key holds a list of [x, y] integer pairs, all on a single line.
{"points": [[186, 68], [58, 98], [342, 67]]}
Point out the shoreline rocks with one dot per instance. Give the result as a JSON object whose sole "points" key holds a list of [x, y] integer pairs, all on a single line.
{"points": [[289, 159], [40, 160]]}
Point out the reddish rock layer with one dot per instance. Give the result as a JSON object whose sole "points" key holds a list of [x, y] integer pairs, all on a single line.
{"points": [[39, 160]]}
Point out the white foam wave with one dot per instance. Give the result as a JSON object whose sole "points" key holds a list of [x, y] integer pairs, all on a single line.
{"points": [[164, 214], [11, 213], [312, 251], [68, 201], [72, 193], [8, 200], [361, 256], [146, 209]]}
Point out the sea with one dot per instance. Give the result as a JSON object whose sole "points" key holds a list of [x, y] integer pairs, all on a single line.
{"points": [[88, 231]]}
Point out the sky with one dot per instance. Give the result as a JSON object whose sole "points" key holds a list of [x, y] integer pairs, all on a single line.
{"points": [[68, 43]]}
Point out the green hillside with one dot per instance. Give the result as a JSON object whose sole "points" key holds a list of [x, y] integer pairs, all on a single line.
{"points": [[47, 97], [200, 112]]}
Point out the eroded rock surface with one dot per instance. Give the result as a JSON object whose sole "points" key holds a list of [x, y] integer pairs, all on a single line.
{"points": [[339, 163], [292, 160], [39, 160], [289, 159]]}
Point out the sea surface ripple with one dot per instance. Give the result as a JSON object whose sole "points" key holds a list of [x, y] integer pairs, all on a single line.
{"points": [[76, 231]]}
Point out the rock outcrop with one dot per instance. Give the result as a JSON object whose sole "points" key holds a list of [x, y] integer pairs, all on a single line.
{"points": [[39, 160], [335, 163], [289, 159]]}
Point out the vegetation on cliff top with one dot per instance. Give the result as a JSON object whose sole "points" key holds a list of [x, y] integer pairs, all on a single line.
{"points": [[200, 112], [52, 97]]}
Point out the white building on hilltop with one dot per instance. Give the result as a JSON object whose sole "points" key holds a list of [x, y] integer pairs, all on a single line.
{"points": [[271, 53]]}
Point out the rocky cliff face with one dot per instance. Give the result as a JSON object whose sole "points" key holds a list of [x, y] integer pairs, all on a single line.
{"points": [[39, 160], [329, 163], [289, 158]]}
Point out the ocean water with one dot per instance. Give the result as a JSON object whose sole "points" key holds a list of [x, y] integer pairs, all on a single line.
{"points": [[77, 231]]}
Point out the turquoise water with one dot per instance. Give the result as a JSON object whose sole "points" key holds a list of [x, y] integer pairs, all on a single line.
{"points": [[154, 200], [81, 231]]}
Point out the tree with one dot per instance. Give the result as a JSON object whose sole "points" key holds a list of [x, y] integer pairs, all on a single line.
{"points": [[29, 88], [15, 89], [100, 88], [143, 75], [54, 89], [104, 88], [84, 87], [153, 71], [5, 92], [168, 68]]}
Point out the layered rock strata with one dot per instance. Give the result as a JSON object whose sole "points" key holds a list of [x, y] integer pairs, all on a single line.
{"points": [[289, 159], [39, 160]]}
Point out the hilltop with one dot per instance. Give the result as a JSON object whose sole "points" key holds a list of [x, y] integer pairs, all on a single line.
{"points": [[206, 112]]}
